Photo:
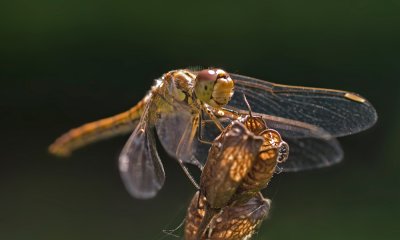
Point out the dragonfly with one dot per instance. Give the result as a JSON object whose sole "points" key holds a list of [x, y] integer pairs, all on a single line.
{"points": [[309, 119]]}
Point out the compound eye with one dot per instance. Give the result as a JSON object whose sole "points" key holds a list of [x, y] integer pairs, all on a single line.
{"points": [[207, 75], [214, 87], [204, 84]]}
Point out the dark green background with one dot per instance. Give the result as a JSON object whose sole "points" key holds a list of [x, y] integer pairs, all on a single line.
{"points": [[63, 63]]}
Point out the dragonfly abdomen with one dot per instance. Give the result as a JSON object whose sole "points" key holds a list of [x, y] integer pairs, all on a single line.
{"points": [[98, 130]]}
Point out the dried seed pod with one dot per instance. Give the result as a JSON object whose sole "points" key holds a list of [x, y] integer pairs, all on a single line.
{"points": [[194, 216], [272, 151], [230, 159], [236, 221]]}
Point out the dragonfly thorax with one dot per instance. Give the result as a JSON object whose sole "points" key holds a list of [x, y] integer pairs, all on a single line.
{"points": [[214, 87], [177, 84]]}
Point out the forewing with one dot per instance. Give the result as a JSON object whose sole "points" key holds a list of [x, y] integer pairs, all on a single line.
{"points": [[310, 153], [339, 113], [139, 164]]}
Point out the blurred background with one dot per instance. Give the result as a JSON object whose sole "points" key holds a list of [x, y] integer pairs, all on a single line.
{"points": [[63, 63]]}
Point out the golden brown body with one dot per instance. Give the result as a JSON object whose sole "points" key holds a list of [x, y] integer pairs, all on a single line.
{"points": [[176, 85]]}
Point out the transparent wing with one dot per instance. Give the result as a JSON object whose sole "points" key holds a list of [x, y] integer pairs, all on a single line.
{"points": [[140, 166], [339, 113], [177, 130], [310, 153]]}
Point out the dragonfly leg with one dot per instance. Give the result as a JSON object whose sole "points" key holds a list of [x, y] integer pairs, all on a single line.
{"points": [[187, 173], [200, 131], [197, 163], [233, 112], [212, 116], [230, 113]]}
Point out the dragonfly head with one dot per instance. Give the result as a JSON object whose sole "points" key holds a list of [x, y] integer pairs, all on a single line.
{"points": [[214, 87]]}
